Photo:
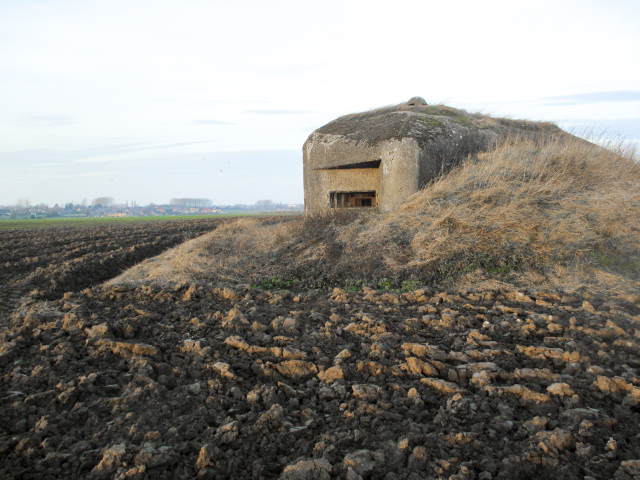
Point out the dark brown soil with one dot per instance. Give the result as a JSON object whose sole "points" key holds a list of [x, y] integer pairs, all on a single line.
{"points": [[51, 261], [208, 382]]}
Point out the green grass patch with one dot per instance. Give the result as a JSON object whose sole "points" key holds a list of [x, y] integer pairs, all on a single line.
{"points": [[404, 286], [409, 285], [354, 285], [91, 221], [430, 122], [603, 260], [444, 112], [615, 263]]}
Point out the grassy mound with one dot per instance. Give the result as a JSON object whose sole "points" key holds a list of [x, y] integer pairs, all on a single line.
{"points": [[564, 214]]}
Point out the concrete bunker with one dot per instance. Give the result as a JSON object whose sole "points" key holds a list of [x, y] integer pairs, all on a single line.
{"points": [[376, 159]]}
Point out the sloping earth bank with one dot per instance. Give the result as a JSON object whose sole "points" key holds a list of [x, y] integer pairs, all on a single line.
{"points": [[204, 382]]}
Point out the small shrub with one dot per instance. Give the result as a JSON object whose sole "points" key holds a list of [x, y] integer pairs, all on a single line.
{"points": [[409, 285], [353, 285], [384, 284], [277, 283]]}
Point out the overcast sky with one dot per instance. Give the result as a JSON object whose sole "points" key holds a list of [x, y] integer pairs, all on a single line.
{"points": [[149, 100]]}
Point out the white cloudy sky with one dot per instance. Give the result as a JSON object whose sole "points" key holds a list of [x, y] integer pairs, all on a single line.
{"points": [[149, 100]]}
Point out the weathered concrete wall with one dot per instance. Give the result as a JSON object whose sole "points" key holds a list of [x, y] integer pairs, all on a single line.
{"points": [[400, 171], [326, 151], [396, 178]]}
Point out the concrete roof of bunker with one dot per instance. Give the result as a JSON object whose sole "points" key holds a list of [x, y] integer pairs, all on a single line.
{"points": [[416, 119]]}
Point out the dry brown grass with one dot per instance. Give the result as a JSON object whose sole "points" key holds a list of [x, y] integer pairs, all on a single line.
{"points": [[228, 254], [564, 210], [561, 214]]}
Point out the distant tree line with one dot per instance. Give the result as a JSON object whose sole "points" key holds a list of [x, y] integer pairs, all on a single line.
{"points": [[265, 204], [103, 202], [191, 202]]}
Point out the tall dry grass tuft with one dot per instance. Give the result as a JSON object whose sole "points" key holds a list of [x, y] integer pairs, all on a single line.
{"points": [[237, 251], [565, 203], [561, 213]]}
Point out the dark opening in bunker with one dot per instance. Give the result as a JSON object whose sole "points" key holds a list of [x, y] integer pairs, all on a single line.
{"points": [[350, 166], [352, 199]]}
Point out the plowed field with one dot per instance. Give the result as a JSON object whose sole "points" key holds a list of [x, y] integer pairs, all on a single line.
{"points": [[48, 262], [200, 381]]}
